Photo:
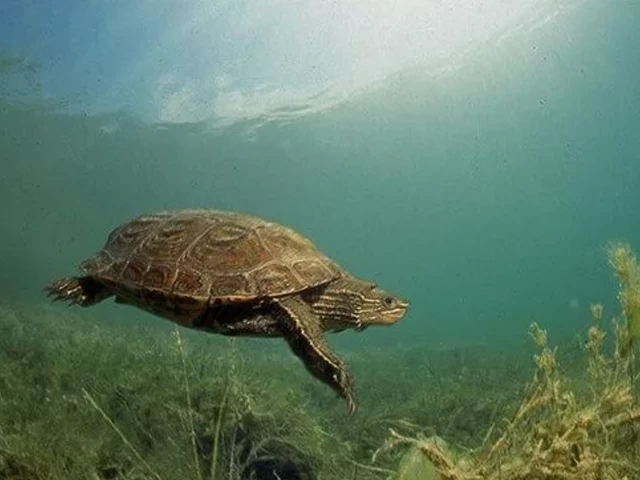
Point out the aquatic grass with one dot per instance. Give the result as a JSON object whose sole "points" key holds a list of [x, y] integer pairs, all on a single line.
{"points": [[192, 432], [565, 428], [452, 393], [244, 418], [216, 437], [213, 466], [553, 435], [122, 436], [249, 405], [625, 265]]}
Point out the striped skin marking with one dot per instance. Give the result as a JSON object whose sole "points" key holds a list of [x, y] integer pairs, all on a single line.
{"points": [[341, 306]]}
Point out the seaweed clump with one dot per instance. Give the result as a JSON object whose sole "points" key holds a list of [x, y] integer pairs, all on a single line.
{"points": [[564, 429]]}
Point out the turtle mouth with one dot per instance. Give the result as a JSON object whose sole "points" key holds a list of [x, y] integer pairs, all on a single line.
{"points": [[398, 312], [388, 317]]}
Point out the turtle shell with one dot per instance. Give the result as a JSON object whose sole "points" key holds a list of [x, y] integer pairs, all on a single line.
{"points": [[203, 256]]}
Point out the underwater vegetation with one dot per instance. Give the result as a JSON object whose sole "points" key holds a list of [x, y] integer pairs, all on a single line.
{"points": [[83, 399], [565, 428], [624, 263]]}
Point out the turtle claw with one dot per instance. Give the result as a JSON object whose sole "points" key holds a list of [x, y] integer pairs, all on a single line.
{"points": [[66, 289], [343, 385], [83, 291]]}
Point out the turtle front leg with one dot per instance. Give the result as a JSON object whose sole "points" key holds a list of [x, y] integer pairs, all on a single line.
{"points": [[303, 331]]}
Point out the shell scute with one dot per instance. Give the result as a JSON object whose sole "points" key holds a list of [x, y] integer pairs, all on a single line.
{"points": [[159, 275], [134, 271], [217, 251], [275, 277], [191, 283], [233, 288]]}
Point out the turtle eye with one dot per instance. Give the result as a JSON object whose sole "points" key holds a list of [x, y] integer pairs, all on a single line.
{"points": [[389, 302]]}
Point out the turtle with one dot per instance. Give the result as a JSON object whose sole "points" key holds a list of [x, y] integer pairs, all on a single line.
{"points": [[234, 274]]}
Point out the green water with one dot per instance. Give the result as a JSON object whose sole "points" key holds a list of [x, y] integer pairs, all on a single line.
{"points": [[484, 194]]}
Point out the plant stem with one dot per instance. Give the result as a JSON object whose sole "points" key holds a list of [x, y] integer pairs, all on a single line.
{"points": [[216, 437]]}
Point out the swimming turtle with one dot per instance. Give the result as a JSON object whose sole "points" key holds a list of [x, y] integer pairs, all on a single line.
{"points": [[234, 274]]}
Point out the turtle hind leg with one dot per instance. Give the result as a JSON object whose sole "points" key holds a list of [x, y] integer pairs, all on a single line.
{"points": [[83, 291]]}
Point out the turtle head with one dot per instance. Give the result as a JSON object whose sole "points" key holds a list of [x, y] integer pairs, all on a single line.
{"points": [[379, 307], [353, 303]]}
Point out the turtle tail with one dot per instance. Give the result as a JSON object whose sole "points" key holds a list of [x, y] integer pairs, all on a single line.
{"points": [[83, 291]]}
